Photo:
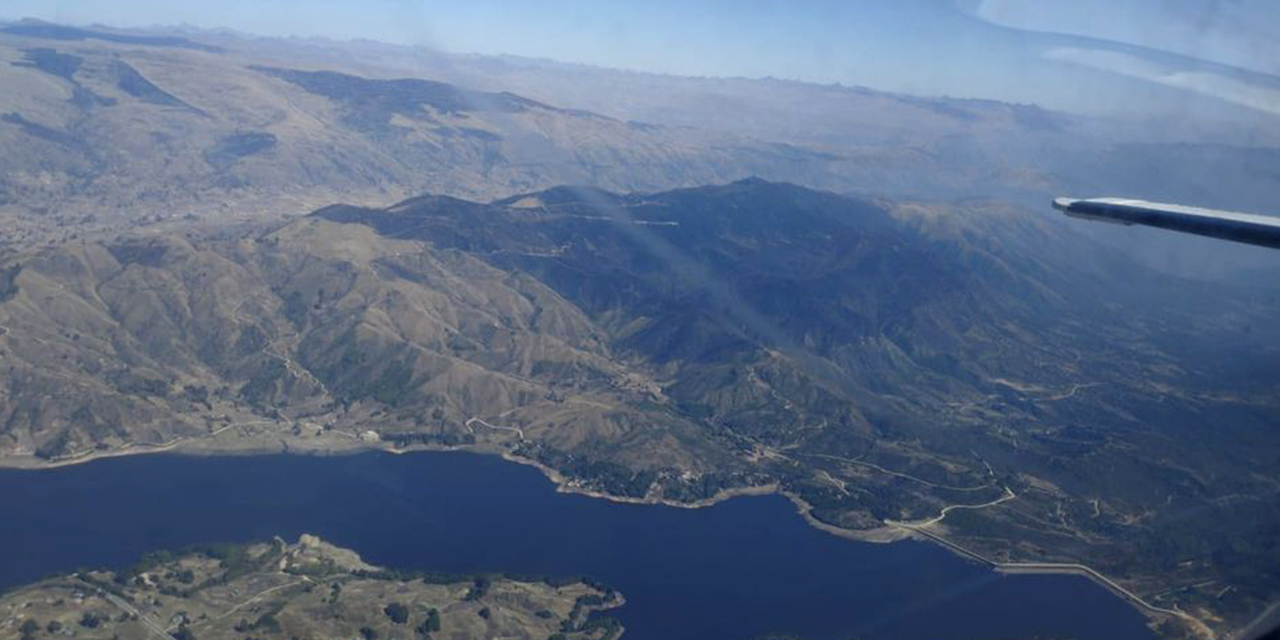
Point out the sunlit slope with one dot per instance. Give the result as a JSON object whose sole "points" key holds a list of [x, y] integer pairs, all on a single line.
{"points": [[157, 338], [883, 362]]}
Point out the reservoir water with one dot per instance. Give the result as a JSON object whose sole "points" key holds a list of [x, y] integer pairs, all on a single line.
{"points": [[736, 571]]}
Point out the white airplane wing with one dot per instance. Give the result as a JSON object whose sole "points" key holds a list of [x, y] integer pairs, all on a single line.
{"points": [[1226, 225]]}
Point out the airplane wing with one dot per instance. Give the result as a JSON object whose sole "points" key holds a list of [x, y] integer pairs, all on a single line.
{"points": [[1226, 225]]}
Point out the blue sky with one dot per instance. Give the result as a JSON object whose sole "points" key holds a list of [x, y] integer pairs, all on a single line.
{"points": [[969, 48], [819, 40]]}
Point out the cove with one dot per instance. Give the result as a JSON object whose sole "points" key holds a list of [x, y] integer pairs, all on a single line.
{"points": [[738, 570]]}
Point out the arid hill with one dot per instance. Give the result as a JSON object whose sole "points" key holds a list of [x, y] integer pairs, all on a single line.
{"points": [[972, 371]]}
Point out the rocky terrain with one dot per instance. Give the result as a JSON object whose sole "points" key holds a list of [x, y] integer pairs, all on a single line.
{"points": [[966, 371]]}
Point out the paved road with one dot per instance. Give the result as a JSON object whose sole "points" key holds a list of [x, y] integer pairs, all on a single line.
{"points": [[517, 430], [1008, 495], [1198, 627], [128, 608]]}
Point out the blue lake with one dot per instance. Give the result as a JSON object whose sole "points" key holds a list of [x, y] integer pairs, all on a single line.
{"points": [[736, 571]]}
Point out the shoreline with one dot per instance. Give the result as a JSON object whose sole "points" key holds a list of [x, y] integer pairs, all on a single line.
{"points": [[1152, 612], [888, 533], [34, 463]]}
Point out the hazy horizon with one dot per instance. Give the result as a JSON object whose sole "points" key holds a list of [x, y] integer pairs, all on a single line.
{"points": [[995, 49]]}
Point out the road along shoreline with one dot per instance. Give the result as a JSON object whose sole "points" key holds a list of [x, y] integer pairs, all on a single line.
{"points": [[349, 444]]}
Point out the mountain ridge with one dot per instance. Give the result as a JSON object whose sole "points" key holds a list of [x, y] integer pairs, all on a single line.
{"points": [[879, 361]]}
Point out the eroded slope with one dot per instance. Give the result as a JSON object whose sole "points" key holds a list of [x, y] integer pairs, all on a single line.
{"points": [[967, 371]]}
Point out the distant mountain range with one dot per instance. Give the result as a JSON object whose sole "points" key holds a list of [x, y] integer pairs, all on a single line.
{"points": [[126, 128]]}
